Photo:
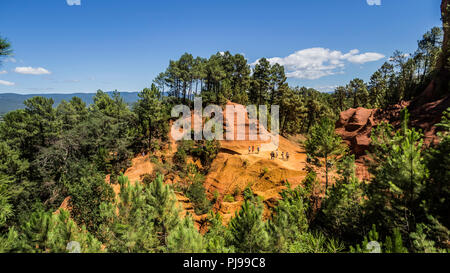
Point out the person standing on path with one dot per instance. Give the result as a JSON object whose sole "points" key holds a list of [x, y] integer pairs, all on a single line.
{"points": [[257, 149], [249, 149], [282, 155], [253, 149], [287, 156]]}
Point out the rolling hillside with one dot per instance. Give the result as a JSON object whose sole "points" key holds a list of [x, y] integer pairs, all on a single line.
{"points": [[11, 101]]}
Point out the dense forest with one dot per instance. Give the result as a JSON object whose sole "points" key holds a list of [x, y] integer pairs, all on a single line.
{"points": [[49, 152]]}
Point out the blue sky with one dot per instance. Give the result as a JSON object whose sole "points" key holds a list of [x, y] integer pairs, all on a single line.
{"points": [[123, 45]]}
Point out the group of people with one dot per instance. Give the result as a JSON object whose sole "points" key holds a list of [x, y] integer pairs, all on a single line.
{"points": [[274, 154], [251, 149]]}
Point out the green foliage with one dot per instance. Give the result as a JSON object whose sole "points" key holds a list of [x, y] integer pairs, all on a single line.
{"points": [[228, 198], [13, 181], [289, 221], [420, 241], [373, 244], [399, 179], [6, 209], [206, 151], [152, 117], [324, 142], [342, 209], [86, 193], [47, 232], [127, 224], [359, 93], [196, 193], [404, 77], [179, 159], [5, 47], [217, 236], [437, 160], [248, 232], [185, 238], [146, 219], [165, 210], [315, 243], [310, 182], [264, 172]]}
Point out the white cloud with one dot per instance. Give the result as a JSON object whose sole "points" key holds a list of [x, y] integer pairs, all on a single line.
{"points": [[6, 83], [365, 58], [374, 2], [3, 72], [73, 2], [315, 63], [32, 71], [11, 60]]}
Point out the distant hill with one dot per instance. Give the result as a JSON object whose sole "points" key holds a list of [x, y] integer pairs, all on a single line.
{"points": [[11, 101]]}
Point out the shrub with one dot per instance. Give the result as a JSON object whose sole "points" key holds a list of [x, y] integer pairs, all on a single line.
{"points": [[264, 171], [196, 193], [228, 198]]}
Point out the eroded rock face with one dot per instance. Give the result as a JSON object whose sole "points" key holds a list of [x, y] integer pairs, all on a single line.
{"points": [[354, 126]]}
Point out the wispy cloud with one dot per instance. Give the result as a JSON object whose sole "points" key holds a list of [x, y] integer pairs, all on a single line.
{"points": [[10, 60], [3, 72], [315, 63], [32, 71], [374, 2], [7, 83], [73, 2], [365, 58]]}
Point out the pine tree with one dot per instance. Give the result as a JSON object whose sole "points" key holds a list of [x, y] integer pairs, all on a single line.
{"points": [[248, 232], [164, 208], [5, 48], [6, 208], [342, 210], [359, 92], [217, 236], [45, 232], [399, 178], [438, 162], [185, 238], [127, 224], [324, 142], [259, 92], [289, 219], [151, 115]]}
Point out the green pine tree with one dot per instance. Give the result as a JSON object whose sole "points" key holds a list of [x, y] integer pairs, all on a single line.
{"points": [[324, 142], [248, 231], [185, 238]]}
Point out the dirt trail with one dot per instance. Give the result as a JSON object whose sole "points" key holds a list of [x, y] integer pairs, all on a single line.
{"points": [[234, 169]]}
